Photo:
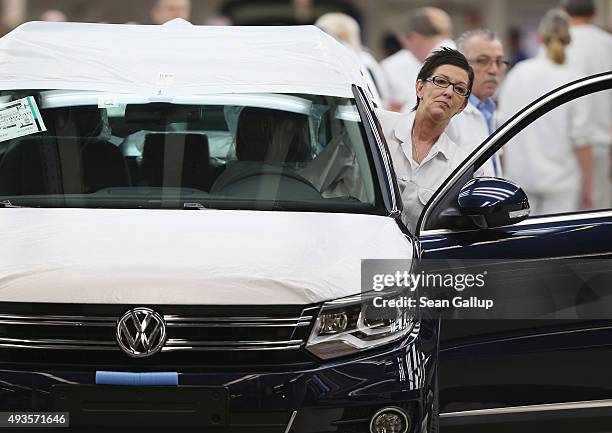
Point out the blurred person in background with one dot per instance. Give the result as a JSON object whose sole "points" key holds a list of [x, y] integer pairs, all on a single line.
{"points": [[346, 29], [166, 10], [590, 52], [426, 29], [218, 20], [551, 159], [423, 154], [485, 53], [53, 15], [517, 51], [390, 44]]}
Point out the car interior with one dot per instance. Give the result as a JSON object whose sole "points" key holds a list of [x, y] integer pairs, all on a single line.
{"points": [[239, 152]]}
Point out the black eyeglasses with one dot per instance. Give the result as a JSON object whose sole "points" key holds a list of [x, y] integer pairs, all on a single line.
{"points": [[485, 61], [459, 88]]}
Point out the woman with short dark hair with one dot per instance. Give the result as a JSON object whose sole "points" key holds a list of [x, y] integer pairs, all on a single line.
{"points": [[423, 155]]}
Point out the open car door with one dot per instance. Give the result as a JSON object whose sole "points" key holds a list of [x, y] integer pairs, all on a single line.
{"points": [[543, 354]]}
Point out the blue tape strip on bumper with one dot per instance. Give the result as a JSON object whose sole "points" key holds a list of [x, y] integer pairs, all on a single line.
{"points": [[135, 379]]}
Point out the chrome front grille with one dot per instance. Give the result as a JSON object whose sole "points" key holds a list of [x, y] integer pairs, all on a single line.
{"points": [[190, 329], [291, 326], [31, 331]]}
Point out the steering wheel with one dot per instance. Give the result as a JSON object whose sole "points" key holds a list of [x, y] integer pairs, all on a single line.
{"points": [[285, 182]]}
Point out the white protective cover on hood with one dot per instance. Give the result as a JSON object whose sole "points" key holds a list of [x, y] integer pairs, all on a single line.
{"points": [[188, 257], [177, 59]]}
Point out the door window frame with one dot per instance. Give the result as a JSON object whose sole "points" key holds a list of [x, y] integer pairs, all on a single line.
{"points": [[444, 201]]}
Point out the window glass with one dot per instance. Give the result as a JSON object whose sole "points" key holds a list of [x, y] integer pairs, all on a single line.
{"points": [[562, 160], [267, 151]]}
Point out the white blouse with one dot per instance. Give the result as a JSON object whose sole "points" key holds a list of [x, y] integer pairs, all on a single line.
{"points": [[418, 182]]}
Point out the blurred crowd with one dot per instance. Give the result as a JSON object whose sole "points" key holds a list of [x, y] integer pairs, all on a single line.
{"points": [[161, 12], [564, 162]]}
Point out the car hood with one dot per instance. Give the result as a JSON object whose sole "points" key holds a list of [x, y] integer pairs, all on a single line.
{"points": [[188, 257]]}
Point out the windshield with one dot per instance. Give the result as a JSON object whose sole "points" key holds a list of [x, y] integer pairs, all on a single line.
{"points": [[255, 151]]}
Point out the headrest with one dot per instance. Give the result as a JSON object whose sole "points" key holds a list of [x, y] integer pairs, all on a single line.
{"points": [[83, 122], [188, 154], [157, 142], [272, 136]]}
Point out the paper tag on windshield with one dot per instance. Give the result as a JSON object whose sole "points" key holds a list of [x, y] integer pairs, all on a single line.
{"points": [[20, 118], [107, 101], [165, 79]]}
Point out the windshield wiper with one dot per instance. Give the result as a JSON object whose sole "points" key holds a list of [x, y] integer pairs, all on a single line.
{"points": [[194, 206], [8, 204]]}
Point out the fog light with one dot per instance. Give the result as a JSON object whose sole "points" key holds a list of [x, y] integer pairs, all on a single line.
{"points": [[390, 420]]}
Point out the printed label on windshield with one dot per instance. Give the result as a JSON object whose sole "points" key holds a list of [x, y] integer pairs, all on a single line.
{"points": [[19, 118], [165, 78], [108, 101]]}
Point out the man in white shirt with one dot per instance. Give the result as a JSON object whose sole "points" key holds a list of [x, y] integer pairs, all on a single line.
{"points": [[485, 53], [426, 30], [422, 154], [589, 53]]}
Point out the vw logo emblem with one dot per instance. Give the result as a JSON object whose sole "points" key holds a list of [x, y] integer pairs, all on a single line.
{"points": [[141, 332]]}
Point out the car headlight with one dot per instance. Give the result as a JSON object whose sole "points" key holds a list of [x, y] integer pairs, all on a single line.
{"points": [[362, 322]]}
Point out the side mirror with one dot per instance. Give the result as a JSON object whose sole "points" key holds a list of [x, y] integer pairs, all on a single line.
{"points": [[492, 202]]}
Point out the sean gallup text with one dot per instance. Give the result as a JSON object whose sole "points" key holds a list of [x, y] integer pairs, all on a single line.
{"points": [[425, 302]]}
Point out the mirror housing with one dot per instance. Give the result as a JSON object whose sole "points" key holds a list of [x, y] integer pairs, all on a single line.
{"points": [[491, 202]]}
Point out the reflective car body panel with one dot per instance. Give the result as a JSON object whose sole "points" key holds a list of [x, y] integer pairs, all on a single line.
{"points": [[474, 355]]}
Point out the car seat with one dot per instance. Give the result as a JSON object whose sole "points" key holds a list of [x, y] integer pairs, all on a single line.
{"points": [[177, 160]]}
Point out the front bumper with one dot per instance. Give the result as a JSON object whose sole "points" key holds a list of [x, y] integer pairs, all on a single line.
{"points": [[331, 397]]}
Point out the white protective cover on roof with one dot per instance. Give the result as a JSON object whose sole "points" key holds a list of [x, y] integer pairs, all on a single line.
{"points": [[224, 257], [177, 59]]}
